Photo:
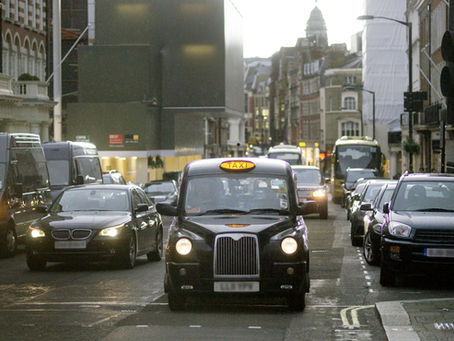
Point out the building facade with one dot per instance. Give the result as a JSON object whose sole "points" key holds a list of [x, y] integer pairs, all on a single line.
{"points": [[162, 78]]}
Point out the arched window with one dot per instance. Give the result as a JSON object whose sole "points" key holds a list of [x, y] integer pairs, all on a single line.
{"points": [[350, 103], [350, 128], [7, 60], [16, 55], [27, 56]]}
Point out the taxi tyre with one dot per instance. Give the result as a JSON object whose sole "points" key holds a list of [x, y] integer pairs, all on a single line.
{"points": [[35, 262], [156, 254], [370, 255], [8, 245], [128, 256], [387, 276], [176, 301]]}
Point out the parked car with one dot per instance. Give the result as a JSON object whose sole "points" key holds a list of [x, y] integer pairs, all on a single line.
{"points": [[371, 189], [96, 222], [162, 191], [113, 177], [418, 233], [353, 174], [354, 197], [312, 190], [239, 231], [24, 186], [351, 193], [373, 222]]}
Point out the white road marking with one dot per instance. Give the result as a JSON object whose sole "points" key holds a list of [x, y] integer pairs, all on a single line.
{"points": [[142, 326], [195, 326], [369, 283], [371, 290], [365, 272], [102, 320], [255, 327]]}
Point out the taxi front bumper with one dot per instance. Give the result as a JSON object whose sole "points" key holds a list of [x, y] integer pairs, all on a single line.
{"points": [[284, 278]]}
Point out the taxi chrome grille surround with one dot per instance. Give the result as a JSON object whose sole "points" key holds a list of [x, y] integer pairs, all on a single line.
{"points": [[434, 236], [236, 255]]}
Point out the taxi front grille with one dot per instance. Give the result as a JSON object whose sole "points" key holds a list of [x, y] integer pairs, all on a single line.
{"points": [[434, 236], [236, 255]]}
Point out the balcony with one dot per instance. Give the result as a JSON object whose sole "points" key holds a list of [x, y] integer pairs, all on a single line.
{"points": [[31, 90]]}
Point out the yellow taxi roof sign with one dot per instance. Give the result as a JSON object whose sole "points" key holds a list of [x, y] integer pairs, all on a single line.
{"points": [[237, 165]]}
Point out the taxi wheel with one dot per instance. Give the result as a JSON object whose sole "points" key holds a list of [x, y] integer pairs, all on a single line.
{"points": [[156, 254], [9, 243], [297, 302], [387, 277], [128, 257], [176, 302], [36, 263], [368, 250]]}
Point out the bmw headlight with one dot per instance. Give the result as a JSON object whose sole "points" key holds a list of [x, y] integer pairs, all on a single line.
{"points": [[289, 245], [183, 246], [111, 231], [320, 193], [399, 230], [35, 232]]}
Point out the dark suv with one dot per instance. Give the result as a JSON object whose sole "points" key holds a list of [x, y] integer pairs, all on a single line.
{"points": [[418, 229]]}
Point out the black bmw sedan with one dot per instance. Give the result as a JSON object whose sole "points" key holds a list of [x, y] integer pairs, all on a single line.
{"points": [[96, 222], [237, 230]]}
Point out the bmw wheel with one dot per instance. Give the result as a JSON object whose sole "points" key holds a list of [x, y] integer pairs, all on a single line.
{"points": [[370, 255], [128, 257]]}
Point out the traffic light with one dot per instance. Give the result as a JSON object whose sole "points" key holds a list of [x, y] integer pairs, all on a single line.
{"points": [[447, 74], [408, 101]]}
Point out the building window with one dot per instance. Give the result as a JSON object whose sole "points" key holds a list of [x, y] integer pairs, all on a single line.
{"points": [[350, 129], [349, 103], [350, 79]]}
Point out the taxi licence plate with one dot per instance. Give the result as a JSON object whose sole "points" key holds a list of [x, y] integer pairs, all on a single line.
{"points": [[445, 253], [71, 244], [236, 286]]}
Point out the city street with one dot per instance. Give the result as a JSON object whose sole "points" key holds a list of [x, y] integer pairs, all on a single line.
{"points": [[97, 301]]}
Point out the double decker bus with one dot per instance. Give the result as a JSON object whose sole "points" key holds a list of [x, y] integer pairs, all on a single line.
{"points": [[353, 152]]}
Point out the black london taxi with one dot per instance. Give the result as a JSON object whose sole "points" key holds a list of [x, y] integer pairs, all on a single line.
{"points": [[418, 232], [95, 222], [237, 229]]}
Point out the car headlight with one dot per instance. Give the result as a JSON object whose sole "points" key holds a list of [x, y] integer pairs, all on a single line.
{"points": [[398, 229], [35, 232], [183, 246], [289, 245], [111, 231], [320, 193]]}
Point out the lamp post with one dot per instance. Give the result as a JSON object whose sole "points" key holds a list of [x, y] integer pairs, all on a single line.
{"points": [[410, 72]]}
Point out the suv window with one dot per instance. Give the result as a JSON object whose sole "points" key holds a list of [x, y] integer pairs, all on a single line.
{"points": [[424, 195]]}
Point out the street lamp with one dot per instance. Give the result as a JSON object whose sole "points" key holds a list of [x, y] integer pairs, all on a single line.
{"points": [[373, 106], [410, 72]]}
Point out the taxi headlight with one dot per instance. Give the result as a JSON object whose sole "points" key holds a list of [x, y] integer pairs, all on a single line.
{"points": [[289, 245], [320, 193], [36, 233], [183, 246], [111, 231], [398, 229]]}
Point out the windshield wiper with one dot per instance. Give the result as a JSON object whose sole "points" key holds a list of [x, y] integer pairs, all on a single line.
{"points": [[434, 209], [266, 210], [224, 210]]}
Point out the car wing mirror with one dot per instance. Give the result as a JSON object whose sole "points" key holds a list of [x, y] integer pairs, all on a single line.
{"points": [[386, 207], [366, 207], [79, 180], [141, 208], [166, 209]]}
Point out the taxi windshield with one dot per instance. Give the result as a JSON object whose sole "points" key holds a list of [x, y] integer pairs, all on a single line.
{"points": [[236, 193]]}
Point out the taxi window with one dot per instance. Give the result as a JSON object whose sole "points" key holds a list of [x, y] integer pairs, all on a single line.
{"points": [[243, 193]]}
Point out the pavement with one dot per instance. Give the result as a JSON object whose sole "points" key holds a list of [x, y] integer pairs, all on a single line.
{"points": [[425, 319]]}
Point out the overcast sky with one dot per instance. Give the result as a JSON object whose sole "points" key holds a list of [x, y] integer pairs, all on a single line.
{"points": [[270, 24]]}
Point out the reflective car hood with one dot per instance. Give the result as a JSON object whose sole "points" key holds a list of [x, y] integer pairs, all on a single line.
{"points": [[93, 220], [425, 220], [236, 224]]}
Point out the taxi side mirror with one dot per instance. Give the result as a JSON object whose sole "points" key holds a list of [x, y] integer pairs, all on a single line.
{"points": [[79, 180], [386, 207], [166, 209]]}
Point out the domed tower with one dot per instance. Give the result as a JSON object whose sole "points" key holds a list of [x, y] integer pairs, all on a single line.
{"points": [[316, 29]]}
